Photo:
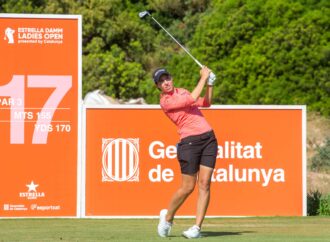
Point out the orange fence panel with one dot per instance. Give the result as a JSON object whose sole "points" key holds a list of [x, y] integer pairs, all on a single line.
{"points": [[131, 167]]}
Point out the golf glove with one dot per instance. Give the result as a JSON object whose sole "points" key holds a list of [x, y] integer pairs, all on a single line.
{"points": [[211, 79]]}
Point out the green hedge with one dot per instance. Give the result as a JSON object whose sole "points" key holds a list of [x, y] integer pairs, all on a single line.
{"points": [[318, 204], [324, 208]]}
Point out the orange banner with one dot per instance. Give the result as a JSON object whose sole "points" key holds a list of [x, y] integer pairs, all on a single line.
{"points": [[39, 114], [131, 167]]}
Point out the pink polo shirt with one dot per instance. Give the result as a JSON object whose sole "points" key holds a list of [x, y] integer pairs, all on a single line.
{"points": [[183, 110]]}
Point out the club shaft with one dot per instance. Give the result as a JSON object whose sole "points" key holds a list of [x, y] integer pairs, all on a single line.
{"points": [[197, 62]]}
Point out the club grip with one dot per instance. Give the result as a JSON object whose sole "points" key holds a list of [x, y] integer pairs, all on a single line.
{"points": [[211, 79]]}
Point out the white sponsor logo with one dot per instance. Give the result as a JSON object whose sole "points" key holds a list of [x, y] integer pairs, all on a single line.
{"points": [[45, 208], [9, 35], [6, 207], [14, 207], [34, 35], [32, 192], [120, 160]]}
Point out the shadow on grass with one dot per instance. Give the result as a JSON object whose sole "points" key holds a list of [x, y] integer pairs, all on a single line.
{"points": [[216, 234]]}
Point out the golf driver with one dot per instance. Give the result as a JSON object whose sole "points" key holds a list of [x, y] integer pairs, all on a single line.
{"points": [[144, 14]]}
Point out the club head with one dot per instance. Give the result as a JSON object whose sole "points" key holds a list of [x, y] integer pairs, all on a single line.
{"points": [[143, 14]]}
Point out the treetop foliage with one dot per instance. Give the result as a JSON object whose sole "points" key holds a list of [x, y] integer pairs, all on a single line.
{"points": [[262, 51]]}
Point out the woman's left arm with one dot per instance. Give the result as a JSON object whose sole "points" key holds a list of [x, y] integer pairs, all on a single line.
{"points": [[208, 95]]}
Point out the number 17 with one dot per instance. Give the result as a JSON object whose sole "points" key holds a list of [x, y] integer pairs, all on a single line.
{"points": [[15, 89]]}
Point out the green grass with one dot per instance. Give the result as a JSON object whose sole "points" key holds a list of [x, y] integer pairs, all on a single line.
{"points": [[259, 229]]}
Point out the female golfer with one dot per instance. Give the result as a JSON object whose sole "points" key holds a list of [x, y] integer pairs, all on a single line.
{"points": [[197, 149]]}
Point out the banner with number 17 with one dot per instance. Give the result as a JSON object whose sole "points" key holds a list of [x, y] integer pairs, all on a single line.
{"points": [[40, 83]]}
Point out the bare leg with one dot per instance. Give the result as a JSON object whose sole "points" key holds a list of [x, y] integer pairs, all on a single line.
{"points": [[204, 182], [187, 187]]}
